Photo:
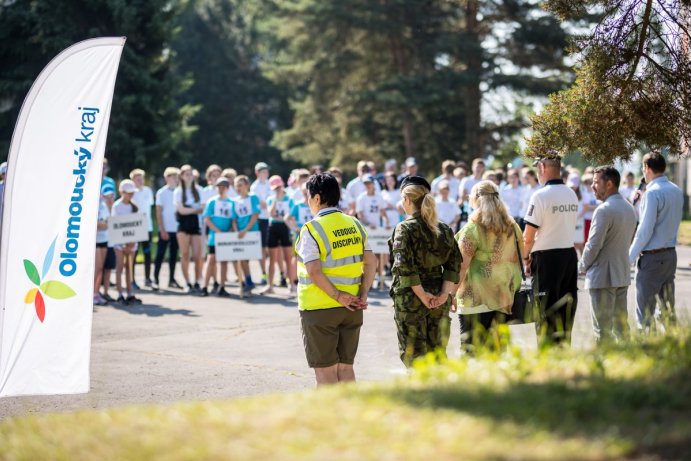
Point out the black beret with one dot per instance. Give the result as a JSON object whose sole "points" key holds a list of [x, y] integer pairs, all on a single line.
{"points": [[415, 181]]}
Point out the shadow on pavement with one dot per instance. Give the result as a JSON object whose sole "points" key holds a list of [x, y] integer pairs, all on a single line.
{"points": [[153, 310]]}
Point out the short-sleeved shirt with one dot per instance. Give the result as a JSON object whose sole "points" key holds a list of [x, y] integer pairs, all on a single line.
{"points": [[244, 209], [164, 199], [208, 193], [467, 185], [103, 214], [221, 212], [144, 198], [553, 210], [282, 208], [122, 208], [454, 184], [447, 211], [262, 190], [513, 200], [392, 198], [370, 206], [301, 212], [190, 201], [346, 200]]}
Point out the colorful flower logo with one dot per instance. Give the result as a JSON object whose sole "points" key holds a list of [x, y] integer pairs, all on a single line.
{"points": [[51, 288]]}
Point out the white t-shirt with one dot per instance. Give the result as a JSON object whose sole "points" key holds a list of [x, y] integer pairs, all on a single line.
{"points": [[144, 198], [164, 199], [370, 206], [513, 199], [588, 199], [208, 192], [467, 185], [447, 210], [392, 198], [122, 208], [627, 192], [346, 200], [454, 184], [103, 214], [262, 190], [528, 192], [553, 210], [356, 187], [190, 201]]}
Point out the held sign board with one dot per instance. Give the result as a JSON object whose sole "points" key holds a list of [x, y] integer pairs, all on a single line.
{"points": [[127, 228], [229, 247], [379, 240]]}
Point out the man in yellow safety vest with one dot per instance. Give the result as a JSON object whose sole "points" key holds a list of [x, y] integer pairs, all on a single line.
{"points": [[336, 268]]}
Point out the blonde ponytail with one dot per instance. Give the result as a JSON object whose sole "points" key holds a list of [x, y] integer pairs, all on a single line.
{"points": [[424, 202]]}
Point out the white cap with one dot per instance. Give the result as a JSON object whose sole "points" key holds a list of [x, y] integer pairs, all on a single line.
{"points": [[127, 186], [3, 168]]}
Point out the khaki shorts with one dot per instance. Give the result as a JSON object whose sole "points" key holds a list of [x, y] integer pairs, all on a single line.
{"points": [[330, 336]]}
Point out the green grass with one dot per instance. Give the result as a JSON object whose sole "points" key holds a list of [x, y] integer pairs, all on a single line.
{"points": [[629, 402], [685, 233]]}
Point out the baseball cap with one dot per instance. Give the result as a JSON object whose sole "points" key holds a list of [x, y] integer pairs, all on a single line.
{"points": [[367, 178], [3, 168], [127, 187], [275, 182], [410, 161], [222, 181], [573, 180], [261, 166]]}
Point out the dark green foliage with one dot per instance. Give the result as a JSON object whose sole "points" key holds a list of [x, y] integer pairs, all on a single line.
{"points": [[633, 86], [146, 122]]}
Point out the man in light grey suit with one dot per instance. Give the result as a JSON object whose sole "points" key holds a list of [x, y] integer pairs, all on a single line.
{"points": [[605, 259]]}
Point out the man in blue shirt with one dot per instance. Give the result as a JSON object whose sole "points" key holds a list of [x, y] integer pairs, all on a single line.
{"points": [[655, 242]]}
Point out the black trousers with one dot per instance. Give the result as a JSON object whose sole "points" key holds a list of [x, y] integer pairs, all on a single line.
{"points": [[555, 273], [476, 330], [172, 242]]}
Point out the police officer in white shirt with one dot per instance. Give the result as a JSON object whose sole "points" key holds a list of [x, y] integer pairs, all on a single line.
{"points": [[549, 252]]}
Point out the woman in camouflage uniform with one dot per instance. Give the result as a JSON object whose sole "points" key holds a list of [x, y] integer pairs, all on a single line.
{"points": [[425, 261]]}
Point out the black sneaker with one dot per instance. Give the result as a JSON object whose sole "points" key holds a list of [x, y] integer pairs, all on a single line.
{"points": [[174, 284], [108, 298], [283, 283], [197, 288], [222, 293], [148, 283], [133, 301], [204, 293], [121, 301], [215, 288], [189, 289]]}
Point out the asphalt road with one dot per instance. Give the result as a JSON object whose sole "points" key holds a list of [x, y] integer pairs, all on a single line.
{"points": [[177, 347]]}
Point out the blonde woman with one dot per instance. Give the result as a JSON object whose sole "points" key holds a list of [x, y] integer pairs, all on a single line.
{"points": [[490, 273], [424, 262]]}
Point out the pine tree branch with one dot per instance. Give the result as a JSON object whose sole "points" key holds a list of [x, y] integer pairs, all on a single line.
{"points": [[641, 44]]}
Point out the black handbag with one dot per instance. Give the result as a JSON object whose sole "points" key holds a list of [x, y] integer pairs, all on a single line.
{"points": [[524, 309]]}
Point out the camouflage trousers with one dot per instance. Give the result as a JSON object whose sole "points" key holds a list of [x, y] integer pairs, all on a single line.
{"points": [[420, 330]]}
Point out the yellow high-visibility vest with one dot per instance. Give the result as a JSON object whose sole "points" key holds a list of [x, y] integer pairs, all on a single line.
{"points": [[341, 240]]}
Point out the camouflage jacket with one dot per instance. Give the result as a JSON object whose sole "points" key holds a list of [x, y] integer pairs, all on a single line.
{"points": [[418, 257]]}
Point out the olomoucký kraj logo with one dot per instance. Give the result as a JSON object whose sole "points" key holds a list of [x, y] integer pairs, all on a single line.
{"points": [[50, 288]]}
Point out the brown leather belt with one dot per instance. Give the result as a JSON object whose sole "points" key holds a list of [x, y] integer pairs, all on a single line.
{"points": [[659, 250]]}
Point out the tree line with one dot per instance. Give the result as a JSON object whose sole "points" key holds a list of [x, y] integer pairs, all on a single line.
{"points": [[296, 82]]}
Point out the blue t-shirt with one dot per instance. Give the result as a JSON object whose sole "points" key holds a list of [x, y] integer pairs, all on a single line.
{"points": [[282, 208], [244, 209], [221, 212], [301, 212]]}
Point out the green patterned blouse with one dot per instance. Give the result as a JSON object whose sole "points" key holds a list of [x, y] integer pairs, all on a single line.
{"points": [[493, 275]]}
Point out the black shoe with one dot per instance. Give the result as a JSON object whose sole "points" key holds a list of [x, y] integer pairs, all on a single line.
{"points": [[215, 288], [222, 293], [132, 301], [190, 289], [197, 288], [174, 284], [204, 293], [108, 298], [154, 286], [121, 301], [149, 283], [283, 283]]}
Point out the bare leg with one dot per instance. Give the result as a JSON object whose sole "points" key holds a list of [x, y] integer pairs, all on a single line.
{"points": [[326, 375], [98, 272], [118, 270], [274, 254], [210, 269], [346, 373], [198, 257], [128, 259], [184, 245]]}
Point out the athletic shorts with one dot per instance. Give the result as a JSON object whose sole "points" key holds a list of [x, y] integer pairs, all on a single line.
{"points": [[102, 245], [264, 231], [279, 235], [212, 249], [110, 262], [330, 336]]}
